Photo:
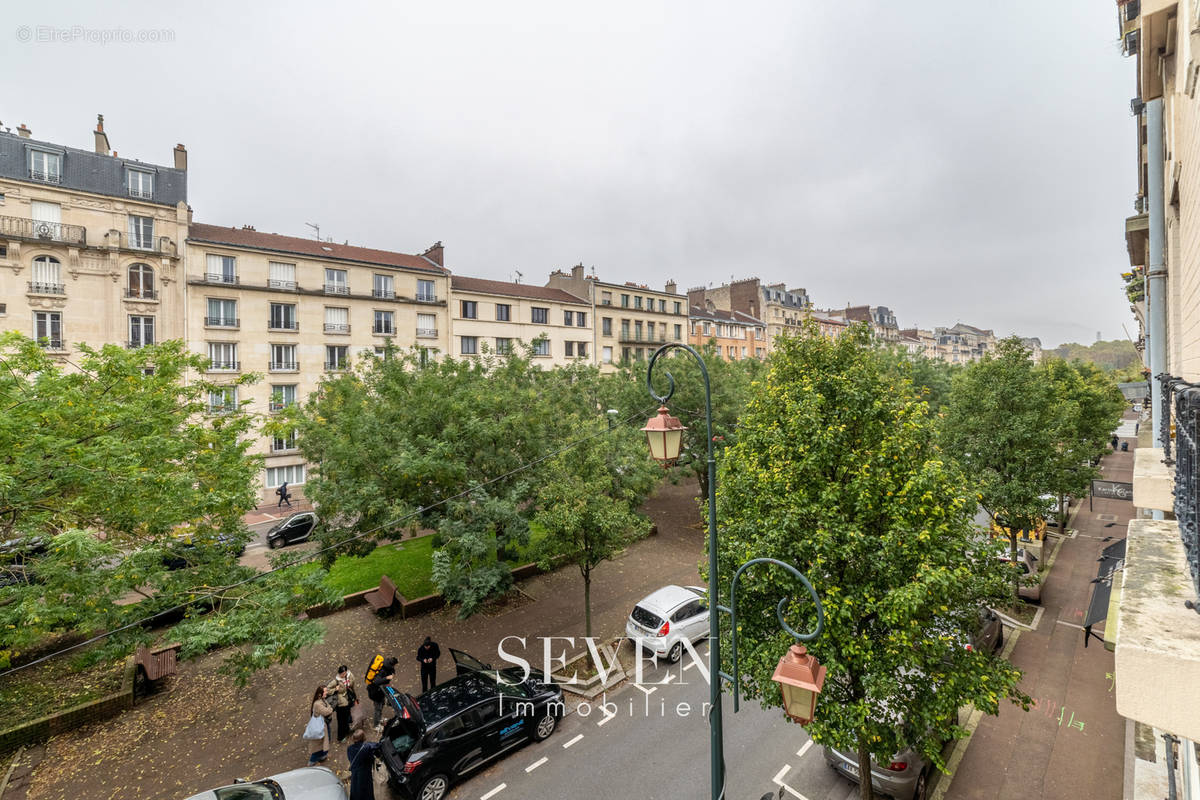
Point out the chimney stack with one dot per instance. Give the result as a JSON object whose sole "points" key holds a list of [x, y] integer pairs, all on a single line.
{"points": [[101, 136], [671, 286], [436, 254], [181, 157], [24, 132], [577, 272]]}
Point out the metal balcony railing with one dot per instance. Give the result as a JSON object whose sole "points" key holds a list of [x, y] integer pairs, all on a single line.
{"points": [[337, 288], [335, 366], [284, 366], [384, 330], [384, 294], [145, 194], [224, 366], [44, 176], [135, 344], [426, 297], [50, 344], [144, 244], [283, 324], [41, 287], [222, 322], [276, 283], [426, 333], [1184, 399], [337, 327], [141, 294], [40, 231], [220, 277], [222, 408]]}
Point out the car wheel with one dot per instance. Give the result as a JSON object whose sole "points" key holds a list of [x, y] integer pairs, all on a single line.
{"points": [[276, 543], [545, 727], [922, 790], [434, 788], [675, 653]]}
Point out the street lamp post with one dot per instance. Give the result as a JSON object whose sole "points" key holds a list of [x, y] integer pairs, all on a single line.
{"points": [[799, 675]]}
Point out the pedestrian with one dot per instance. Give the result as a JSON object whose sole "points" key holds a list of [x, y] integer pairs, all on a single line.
{"points": [[375, 690], [342, 697], [284, 497], [1115, 441], [427, 655], [319, 748], [361, 755]]}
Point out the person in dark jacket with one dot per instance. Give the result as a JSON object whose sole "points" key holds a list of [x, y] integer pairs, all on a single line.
{"points": [[361, 755], [428, 654], [375, 690]]}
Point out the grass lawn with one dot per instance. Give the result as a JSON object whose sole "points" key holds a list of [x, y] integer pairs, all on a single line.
{"points": [[407, 563], [54, 686]]}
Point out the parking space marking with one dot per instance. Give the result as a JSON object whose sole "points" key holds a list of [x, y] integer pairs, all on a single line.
{"points": [[494, 792], [778, 781], [670, 677], [804, 749], [573, 741], [690, 665], [537, 764]]}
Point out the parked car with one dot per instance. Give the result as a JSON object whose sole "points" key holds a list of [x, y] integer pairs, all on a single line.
{"points": [[186, 552], [291, 529], [905, 776], [1031, 586], [15, 557], [305, 783], [668, 616], [464, 724]]}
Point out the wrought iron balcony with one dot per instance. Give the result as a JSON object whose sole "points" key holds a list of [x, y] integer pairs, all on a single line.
{"points": [[137, 344], [384, 294], [426, 297], [276, 283], [224, 366], [222, 408], [145, 194], [337, 288], [634, 337], [220, 277], [337, 327], [222, 322], [45, 176], [277, 407], [426, 333], [141, 294], [41, 287], [284, 366], [335, 366], [144, 244], [50, 344], [283, 324], [40, 231], [1181, 403], [384, 330]]}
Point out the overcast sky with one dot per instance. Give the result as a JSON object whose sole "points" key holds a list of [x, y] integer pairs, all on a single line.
{"points": [[955, 161]]}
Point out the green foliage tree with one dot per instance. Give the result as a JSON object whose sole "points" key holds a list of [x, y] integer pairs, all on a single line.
{"points": [[478, 530], [931, 378], [1109, 355], [1003, 424], [836, 472], [116, 465]]}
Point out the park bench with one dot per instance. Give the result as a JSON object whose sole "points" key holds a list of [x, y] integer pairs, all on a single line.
{"points": [[383, 599], [153, 665]]}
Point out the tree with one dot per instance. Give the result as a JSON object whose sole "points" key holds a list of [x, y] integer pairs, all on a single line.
{"points": [[120, 470], [836, 472], [1003, 425], [469, 568], [587, 506]]}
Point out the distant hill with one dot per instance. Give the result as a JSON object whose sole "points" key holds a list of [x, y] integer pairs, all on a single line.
{"points": [[1117, 354]]}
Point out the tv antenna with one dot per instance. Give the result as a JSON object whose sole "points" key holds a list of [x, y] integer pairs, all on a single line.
{"points": [[316, 228], [519, 275]]}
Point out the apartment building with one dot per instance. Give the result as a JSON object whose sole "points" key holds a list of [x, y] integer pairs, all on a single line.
{"points": [[1152, 621], [493, 316], [962, 344], [91, 244], [927, 338], [881, 319], [735, 335], [781, 309], [631, 320], [298, 309], [829, 326]]}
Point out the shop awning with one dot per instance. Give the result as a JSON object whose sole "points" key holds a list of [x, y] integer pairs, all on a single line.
{"points": [[1112, 559]]}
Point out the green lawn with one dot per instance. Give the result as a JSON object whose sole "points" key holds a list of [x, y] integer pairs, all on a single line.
{"points": [[407, 563]]}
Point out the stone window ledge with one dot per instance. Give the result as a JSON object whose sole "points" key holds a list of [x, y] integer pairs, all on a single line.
{"points": [[1153, 481]]}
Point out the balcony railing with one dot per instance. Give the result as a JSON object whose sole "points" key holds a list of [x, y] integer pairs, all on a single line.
{"points": [[222, 322], [41, 287], [381, 330], [40, 231], [1184, 399], [220, 277], [384, 294], [144, 244], [275, 408], [283, 324], [44, 176], [335, 366], [337, 288], [141, 294], [426, 333], [222, 408], [284, 366], [337, 327], [224, 366], [145, 194], [136, 344], [276, 283], [426, 297], [50, 344], [634, 337]]}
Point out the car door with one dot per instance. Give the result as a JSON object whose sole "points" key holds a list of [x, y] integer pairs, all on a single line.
{"points": [[466, 664], [299, 528], [492, 728], [458, 745], [691, 619]]}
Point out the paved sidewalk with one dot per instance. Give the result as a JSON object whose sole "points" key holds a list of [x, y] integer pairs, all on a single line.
{"points": [[1072, 743]]}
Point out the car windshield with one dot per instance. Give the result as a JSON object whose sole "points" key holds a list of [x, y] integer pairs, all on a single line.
{"points": [[263, 790], [646, 618]]}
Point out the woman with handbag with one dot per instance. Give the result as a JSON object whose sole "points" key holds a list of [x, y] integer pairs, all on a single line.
{"points": [[317, 730], [361, 754], [342, 697]]}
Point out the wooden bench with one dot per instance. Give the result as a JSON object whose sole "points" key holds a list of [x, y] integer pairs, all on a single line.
{"points": [[154, 665], [383, 599]]}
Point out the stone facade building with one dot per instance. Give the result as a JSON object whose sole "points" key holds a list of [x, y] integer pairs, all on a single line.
{"points": [[781, 309], [735, 335], [494, 316]]}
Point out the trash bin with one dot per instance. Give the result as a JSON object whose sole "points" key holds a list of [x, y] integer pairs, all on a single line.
{"points": [[1124, 447]]}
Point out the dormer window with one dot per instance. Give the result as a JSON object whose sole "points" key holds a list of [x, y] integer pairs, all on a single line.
{"points": [[139, 183], [44, 166]]}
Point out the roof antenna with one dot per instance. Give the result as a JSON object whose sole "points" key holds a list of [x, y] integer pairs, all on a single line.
{"points": [[519, 275], [316, 228]]}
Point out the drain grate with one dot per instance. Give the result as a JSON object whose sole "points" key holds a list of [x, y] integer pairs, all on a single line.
{"points": [[1106, 517]]}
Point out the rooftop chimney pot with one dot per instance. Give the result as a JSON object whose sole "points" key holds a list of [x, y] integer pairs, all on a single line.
{"points": [[101, 136], [24, 132], [181, 157]]}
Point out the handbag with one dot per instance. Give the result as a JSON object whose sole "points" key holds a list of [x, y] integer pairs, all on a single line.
{"points": [[351, 696], [315, 729], [379, 772]]}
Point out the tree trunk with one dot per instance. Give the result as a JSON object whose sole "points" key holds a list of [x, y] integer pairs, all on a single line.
{"points": [[1012, 551], [1063, 505], [866, 790], [587, 602]]}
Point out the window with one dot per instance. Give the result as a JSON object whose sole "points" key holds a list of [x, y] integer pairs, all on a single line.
{"points": [[277, 476], [677, 309], [384, 287], [139, 183], [281, 275], [568, 318], [625, 351], [47, 329], [141, 331], [581, 349], [606, 354], [580, 319], [743, 351], [282, 396], [606, 326], [624, 329], [283, 357], [639, 354], [650, 329], [624, 301], [569, 349], [425, 292], [45, 166], [384, 324], [503, 346], [47, 220], [503, 312], [220, 269], [468, 309], [606, 298], [141, 232], [221, 313], [141, 282], [222, 356], [470, 345], [541, 347], [283, 317], [47, 276], [336, 282], [426, 326], [539, 316], [637, 301], [662, 306], [223, 400], [637, 330], [337, 320], [336, 357], [281, 444]]}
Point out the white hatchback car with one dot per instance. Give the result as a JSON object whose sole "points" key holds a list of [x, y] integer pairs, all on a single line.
{"points": [[665, 618], [306, 783]]}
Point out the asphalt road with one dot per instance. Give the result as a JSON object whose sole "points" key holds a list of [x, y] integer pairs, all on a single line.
{"points": [[645, 745]]}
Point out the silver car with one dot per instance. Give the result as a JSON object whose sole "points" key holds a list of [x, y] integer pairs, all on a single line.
{"points": [[306, 783], [663, 620]]}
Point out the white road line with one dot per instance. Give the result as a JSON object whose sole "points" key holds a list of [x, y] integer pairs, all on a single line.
{"points": [[573, 741], [690, 665], [494, 792], [804, 749], [649, 691], [537, 764], [606, 719], [778, 781], [670, 677]]}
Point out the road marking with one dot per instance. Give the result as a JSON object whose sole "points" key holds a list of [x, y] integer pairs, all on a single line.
{"points": [[573, 741], [804, 749], [670, 677], [778, 781], [649, 691], [537, 764], [494, 792], [779, 775], [690, 665], [606, 719]]}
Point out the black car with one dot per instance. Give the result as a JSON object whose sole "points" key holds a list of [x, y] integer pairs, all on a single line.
{"points": [[15, 558], [291, 529], [188, 553], [464, 724]]}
